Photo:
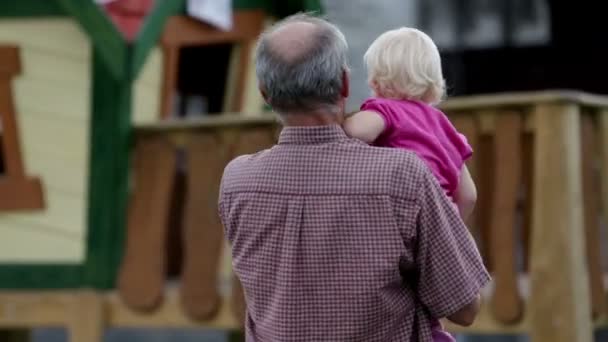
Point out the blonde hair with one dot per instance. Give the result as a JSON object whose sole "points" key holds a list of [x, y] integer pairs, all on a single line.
{"points": [[405, 64]]}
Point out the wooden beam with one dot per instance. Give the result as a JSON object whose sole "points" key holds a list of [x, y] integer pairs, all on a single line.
{"points": [[507, 304], [151, 30], [519, 99], [87, 317], [560, 301], [591, 213], [143, 271], [108, 174], [203, 233], [603, 141]]}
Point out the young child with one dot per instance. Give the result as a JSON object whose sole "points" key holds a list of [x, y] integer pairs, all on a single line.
{"points": [[404, 72]]}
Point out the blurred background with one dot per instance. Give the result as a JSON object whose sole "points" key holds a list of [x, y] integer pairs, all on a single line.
{"points": [[92, 198]]}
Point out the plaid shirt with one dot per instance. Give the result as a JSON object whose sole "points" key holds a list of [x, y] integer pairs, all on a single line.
{"points": [[335, 240]]}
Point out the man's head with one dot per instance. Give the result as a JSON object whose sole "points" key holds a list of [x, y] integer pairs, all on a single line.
{"points": [[301, 65]]}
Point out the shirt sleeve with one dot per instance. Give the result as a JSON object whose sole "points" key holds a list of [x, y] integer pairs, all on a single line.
{"points": [[450, 270]]}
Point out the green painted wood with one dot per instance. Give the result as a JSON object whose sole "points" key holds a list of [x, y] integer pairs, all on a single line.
{"points": [[151, 31], [280, 8], [109, 165], [30, 8], [40, 276], [102, 32]]}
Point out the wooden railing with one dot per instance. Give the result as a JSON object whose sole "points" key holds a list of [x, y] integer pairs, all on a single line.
{"points": [[539, 164]]}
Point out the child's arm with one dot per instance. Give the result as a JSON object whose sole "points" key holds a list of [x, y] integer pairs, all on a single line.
{"points": [[466, 194], [366, 126]]}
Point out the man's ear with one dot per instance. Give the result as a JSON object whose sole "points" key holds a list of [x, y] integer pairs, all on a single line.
{"points": [[263, 92], [345, 84]]}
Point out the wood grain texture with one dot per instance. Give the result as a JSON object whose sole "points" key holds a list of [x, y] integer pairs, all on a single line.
{"points": [[507, 304], [602, 122], [528, 191], [202, 230], [559, 304], [142, 275], [88, 317], [591, 212], [182, 31], [484, 160]]}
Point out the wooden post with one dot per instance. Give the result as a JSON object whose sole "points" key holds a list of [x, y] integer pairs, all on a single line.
{"points": [[559, 303], [141, 280], [591, 213], [506, 301], [603, 138], [88, 320]]}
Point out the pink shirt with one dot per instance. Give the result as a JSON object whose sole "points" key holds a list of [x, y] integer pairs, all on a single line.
{"points": [[425, 130]]}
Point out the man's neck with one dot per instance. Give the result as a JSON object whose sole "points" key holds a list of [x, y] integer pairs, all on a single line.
{"points": [[315, 118]]}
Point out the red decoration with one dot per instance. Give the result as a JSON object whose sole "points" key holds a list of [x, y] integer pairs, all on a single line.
{"points": [[128, 15]]}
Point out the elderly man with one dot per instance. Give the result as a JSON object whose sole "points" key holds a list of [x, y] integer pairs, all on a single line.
{"points": [[332, 239]]}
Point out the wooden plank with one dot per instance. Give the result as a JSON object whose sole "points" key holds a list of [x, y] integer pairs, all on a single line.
{"points": [[591, 213], [11, 144], [59, 37], [528, 185], [560, 301], [168, 315], [506, 301], [22, 194], [146, 102], [186, 31], [87, 321], [169, 86], [202, 230], [142, 274], [10, 64], [484, 160], [45, 246], [25, 310], [207, 123], [603, 142], [109, 43], [518, 99]]}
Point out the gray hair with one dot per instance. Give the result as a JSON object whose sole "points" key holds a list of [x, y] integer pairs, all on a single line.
{"points": [[312, 81]]}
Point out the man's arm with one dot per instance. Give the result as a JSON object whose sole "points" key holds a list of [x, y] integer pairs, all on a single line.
{"points": [[466, 316], [450, 270]]}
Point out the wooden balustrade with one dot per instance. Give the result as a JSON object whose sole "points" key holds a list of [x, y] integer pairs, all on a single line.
{"points": [[539, 164]]}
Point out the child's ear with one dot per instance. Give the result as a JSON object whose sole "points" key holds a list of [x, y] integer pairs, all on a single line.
{"points": [[373, 85]]}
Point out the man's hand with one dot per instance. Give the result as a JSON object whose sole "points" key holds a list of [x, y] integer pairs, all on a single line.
{"points": [[466, 316]]}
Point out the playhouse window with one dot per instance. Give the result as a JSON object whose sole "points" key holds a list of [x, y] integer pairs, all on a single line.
{"points": [[17, 190]]}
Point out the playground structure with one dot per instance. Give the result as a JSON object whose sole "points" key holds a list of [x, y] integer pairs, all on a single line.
{"points": [[87, 250]]}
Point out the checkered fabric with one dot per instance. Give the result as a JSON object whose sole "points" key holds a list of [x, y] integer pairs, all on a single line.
{"points": [[335, 240]]}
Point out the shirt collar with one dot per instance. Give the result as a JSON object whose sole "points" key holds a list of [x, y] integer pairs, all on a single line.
{"points": [[311, 135]]}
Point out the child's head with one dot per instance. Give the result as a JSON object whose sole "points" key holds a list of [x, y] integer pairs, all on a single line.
{"points": [[405, 64]]}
